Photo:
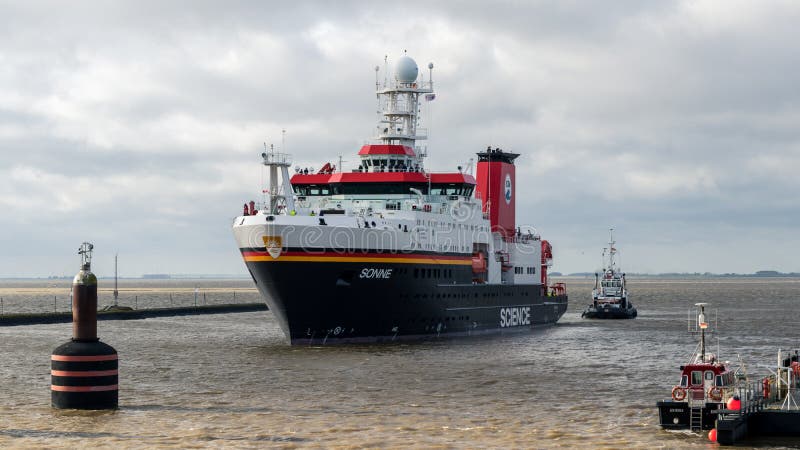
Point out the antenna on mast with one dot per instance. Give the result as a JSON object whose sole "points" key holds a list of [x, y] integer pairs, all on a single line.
{"points": [[603, 259], [116, 291], [611, 249], [703, 325], [385, 70]]}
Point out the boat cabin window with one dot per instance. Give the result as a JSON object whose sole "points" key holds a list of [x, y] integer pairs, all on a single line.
{"points": [[726, 379], [684, 381], [381, 189], [709, 375], [312, 189], [378, 188], [375, 188], [697, 377], [452, 189], [387, 164]]}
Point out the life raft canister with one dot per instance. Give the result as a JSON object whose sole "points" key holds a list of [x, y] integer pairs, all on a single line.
{"points": [[796, 368], [678, 393]]}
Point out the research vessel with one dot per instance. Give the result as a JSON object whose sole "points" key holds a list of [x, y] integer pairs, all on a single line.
{"points": [[389, 250], [610, 294]]}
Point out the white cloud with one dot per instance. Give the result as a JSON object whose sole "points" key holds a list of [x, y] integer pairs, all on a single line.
{"points": [[624, 113]]}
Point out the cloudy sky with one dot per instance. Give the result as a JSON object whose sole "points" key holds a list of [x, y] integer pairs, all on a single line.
{"points": [[138, 125]]}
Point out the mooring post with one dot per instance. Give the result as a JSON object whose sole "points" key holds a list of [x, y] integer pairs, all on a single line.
{"points": [[84, 371]]}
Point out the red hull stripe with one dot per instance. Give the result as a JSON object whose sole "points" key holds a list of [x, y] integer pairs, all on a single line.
{"points": [[83, 373], [110, 387], [84, 358]]}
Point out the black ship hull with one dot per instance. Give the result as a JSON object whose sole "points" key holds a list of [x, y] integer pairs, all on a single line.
{"points": [[599, 312], [343, 302], [674, 415]]}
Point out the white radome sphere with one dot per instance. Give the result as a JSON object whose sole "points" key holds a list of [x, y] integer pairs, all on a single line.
{"points": [[406, 70]]}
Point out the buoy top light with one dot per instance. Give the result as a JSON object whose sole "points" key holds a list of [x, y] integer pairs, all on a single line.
{"points": [[85, 250], [85, 275]]}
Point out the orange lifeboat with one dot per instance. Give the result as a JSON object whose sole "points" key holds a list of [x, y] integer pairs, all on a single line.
{"points": [[478, 263]]}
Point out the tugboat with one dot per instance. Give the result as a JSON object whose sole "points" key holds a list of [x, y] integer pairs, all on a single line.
{"points": [[705, 386], [610, 294], [390, 250]]}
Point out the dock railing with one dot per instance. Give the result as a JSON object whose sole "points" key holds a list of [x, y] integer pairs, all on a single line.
{"points": [[753, 399], [138, 299], [751, 395]]}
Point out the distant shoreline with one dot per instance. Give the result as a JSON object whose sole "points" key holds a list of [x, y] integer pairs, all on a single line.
{"points": [[170, 277], [759, 275], [146, 278]]}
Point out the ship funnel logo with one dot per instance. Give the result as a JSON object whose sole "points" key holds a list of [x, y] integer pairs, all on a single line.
{"points": [[508, 189], [273, 245]]}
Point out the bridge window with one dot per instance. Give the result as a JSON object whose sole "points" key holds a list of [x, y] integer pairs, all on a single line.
{"points": [[684, 381], [312, 189], [452, 189], [697, 377]]}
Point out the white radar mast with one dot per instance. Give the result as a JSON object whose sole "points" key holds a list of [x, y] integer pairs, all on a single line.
{"points": [[398, 100], [281, 197], [611, 251]]}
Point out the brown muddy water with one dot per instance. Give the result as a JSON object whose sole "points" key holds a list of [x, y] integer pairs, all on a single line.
{"points": [[231, 381]]}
